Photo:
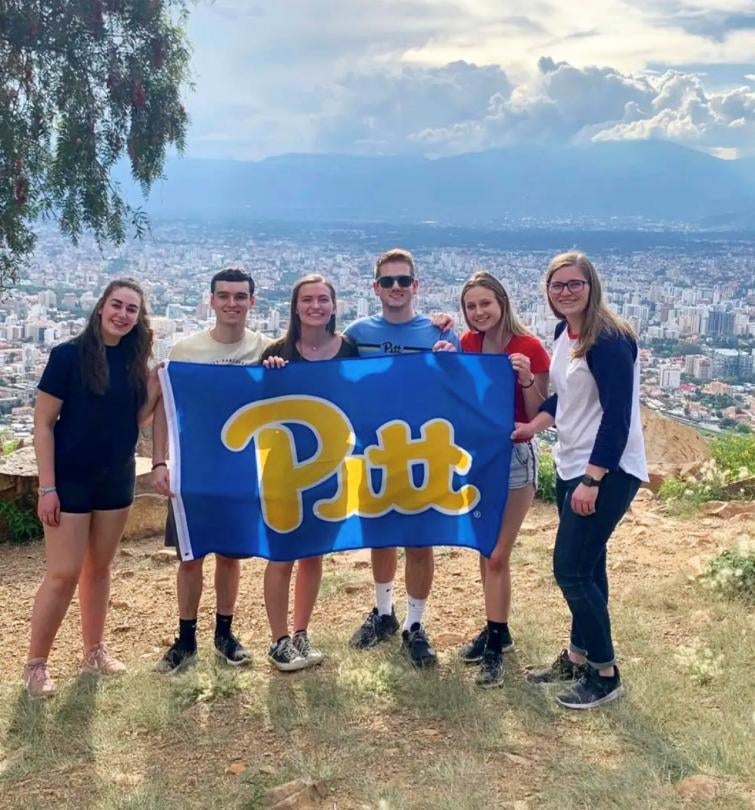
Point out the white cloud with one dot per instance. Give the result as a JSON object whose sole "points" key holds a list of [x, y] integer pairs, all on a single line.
{"points": [[444, 76], [566, 104]]}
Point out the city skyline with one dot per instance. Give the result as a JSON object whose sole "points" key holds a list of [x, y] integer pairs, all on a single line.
{"points": [[691, 301]]}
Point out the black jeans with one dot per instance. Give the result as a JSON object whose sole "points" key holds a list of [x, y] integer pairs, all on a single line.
{"points": [[579, 562]]}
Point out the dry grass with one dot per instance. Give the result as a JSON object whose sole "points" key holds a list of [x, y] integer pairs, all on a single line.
{"points": [[380, 734]]}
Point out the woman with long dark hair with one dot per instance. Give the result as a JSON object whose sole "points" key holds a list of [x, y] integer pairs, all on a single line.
{"points": [[495, 329], [311, 336], [600, 463], [95, 392]]}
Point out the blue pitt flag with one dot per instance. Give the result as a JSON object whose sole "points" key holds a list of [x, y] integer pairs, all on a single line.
{"points": [[286, 463]]}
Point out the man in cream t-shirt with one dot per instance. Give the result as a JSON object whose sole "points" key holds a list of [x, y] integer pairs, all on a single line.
{"points": [[228, 342]]}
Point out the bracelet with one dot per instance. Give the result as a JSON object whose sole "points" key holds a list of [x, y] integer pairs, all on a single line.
{"points": [[159, 464], [530, 383], [47, 490]]}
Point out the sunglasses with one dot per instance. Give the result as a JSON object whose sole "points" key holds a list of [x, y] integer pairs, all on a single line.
{"points": [[386, 282]]}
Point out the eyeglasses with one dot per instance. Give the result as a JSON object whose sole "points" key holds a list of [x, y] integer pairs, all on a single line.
{"points": [[574, 285], [387, 282]]}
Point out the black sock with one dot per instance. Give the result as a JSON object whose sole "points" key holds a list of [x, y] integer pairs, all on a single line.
{"points": [[223, 625], [187, 633], [495, 635]]}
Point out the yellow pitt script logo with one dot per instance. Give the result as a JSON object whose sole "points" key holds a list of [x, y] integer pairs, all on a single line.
{"points": [[283, 477]]}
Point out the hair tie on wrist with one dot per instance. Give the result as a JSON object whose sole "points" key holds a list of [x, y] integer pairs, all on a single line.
{"points": [[159, 464]]}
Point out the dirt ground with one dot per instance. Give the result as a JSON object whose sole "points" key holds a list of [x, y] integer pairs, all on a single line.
{"points": [[647, 549]]}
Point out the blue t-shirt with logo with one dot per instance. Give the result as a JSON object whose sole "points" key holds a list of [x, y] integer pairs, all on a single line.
{"points": [[376, 336]]}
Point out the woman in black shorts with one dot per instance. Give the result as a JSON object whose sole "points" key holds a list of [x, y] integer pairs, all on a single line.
{"points": [[94, 394], [311, 336]]}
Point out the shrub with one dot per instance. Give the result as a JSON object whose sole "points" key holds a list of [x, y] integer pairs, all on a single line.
{"points": [[734, 453], [19, 523], [732, 573], [733, 460], [546, 485]]}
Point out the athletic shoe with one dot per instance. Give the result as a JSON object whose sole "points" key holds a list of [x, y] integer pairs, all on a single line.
{"points": [[374, 629], [100, 661], [302, 643], [232, 651], [37, 680], [286, 657], [176, 659], [472, 652], [491, 670], [417, 648], [591, 690], [561, 670]]}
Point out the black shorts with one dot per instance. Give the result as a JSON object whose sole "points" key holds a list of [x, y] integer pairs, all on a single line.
{"points": [[171, 534], [97, 491]]}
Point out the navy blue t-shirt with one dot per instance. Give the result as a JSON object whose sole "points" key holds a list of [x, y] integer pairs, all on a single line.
{"points": [[94, 430]]}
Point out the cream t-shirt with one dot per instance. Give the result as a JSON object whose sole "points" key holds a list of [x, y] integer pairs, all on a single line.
{"points": [[203, 348]]}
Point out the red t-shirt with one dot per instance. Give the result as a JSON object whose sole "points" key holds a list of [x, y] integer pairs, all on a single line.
{"points": [[519, 344]]}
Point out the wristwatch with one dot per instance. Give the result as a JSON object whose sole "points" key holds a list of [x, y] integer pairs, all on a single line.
{"points": [[47, 490], [589, 481]]}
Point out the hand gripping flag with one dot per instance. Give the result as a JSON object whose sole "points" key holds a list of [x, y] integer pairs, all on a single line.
{"points": [[318, 457]]}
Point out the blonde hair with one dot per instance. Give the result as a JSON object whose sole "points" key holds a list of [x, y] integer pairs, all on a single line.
{"points": [[598, 317], [395, 255], [509, 323]]}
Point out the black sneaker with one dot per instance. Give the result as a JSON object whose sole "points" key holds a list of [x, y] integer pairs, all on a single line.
{"points": [[374, 629], [176, 659], [417, 648], [472, 652], [286, 657], [591, 690], [491, 670], [232, 651], [561, 670]]}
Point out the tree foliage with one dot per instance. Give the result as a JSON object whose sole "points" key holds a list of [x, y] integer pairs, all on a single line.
{"points": [[83, 83]]}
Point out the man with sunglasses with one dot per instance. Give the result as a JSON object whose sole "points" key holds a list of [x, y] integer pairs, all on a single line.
{"points": [[398, 330]]}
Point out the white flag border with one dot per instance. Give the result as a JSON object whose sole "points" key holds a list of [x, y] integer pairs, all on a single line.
{"points": [[179, 512]]}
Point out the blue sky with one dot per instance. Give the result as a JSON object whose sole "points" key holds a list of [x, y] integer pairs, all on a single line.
{"points": [[439, 77]]}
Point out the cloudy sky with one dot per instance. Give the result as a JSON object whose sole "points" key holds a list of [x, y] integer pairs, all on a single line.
{"points": [[439, 77]]}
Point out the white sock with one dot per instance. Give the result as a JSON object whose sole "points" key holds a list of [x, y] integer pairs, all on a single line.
{"points": [[384, 597], [415, 609]]}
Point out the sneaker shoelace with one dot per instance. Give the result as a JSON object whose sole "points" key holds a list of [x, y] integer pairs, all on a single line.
{"points": [[36, 673], [303, 645]]}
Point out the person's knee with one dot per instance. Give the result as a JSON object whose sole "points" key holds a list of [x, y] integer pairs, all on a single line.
{"points": [[497, 565], [62, 582], [190, 568], [97, 569], [229, 565], [311, 564], [419, 557], [280, 568]]}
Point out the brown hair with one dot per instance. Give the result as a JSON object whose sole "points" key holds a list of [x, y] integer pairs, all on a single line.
{"points": [[509, 323], [293, 333], [137, 343], [395, 255], [598, 317]]}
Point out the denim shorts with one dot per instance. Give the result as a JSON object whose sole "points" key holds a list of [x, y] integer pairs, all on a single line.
{"points": [[524, 464]]}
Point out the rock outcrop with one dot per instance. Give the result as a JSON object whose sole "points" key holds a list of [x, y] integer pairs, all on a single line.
{"points": [[672, 449]]}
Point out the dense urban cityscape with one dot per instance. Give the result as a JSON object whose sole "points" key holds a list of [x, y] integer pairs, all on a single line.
{"points": [[692, 302]]}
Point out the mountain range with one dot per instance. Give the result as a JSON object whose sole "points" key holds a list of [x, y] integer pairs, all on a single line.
{"points": [[620, 180]]}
